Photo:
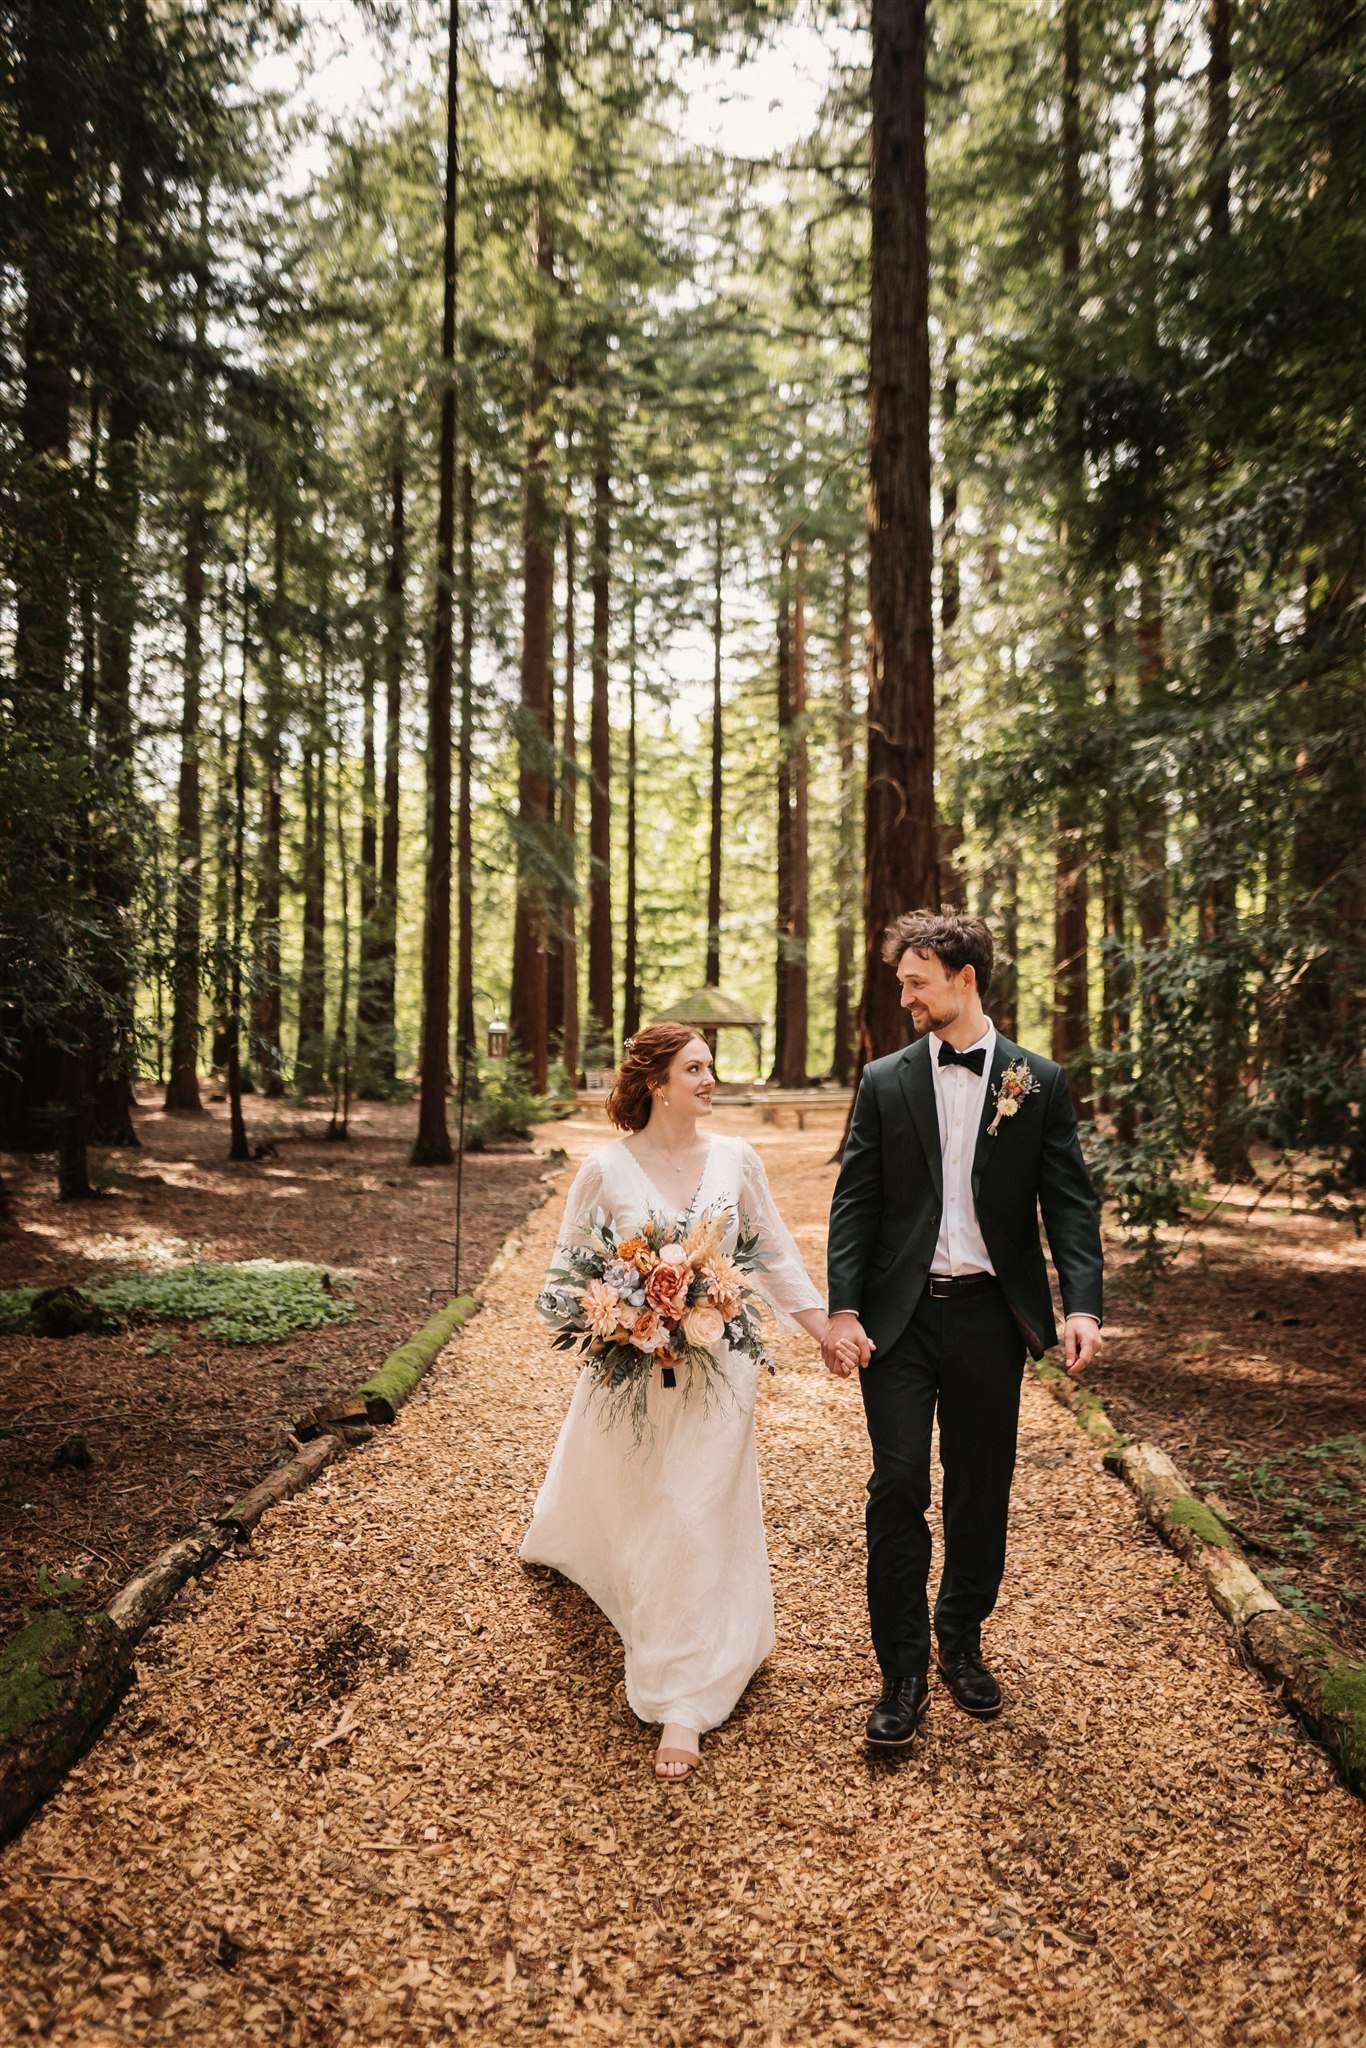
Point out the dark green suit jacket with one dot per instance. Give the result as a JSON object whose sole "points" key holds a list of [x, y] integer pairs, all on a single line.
{"points": [[884, 1219]]}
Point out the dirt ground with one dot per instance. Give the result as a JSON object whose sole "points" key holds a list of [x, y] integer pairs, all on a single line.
{"points": [[173, 1434], [1246, 1361], [378, 1784]]}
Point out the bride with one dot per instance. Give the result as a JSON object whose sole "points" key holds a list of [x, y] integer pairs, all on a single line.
{"points": [[666, 1533]]}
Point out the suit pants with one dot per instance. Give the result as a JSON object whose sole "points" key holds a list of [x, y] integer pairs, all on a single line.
{"points": [[963, 1354]]}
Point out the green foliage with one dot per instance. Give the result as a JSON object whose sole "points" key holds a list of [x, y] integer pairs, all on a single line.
{"points": [[258, 1302], [28, 1689], [506, 1106]]}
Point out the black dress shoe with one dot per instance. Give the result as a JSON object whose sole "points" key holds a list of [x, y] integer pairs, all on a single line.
{"points": [[895, 1718], [972, 1685]]}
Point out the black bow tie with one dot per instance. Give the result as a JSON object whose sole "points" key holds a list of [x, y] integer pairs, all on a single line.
{"points": [[949, 1056]]}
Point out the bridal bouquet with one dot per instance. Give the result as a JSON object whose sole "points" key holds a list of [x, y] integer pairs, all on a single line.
{"points": [[665, 1296]]}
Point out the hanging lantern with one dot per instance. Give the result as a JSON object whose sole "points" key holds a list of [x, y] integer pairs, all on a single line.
{"points": [[498, 1038]]}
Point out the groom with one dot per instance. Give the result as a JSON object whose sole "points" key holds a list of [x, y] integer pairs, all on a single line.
{"points": [[936, 1276]]}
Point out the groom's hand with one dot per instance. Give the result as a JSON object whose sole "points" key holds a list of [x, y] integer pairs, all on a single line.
{"points": [[1081, 1340], [844, 1332]]}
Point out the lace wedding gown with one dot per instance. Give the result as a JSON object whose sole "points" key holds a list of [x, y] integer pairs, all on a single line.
{"points": [[666, 1534]]}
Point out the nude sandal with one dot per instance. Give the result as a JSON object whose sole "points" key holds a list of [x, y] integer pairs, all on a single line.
{"points": [[690, 1757]]}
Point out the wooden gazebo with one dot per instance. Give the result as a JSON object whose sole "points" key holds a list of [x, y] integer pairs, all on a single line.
{"points": [[710, 1012]]}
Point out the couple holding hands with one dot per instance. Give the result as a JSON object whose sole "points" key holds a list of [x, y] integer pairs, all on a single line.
{"points": [[937, 1287]]}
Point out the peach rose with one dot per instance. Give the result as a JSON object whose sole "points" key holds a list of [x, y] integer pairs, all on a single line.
{"points": [[704, 1324], [647, 1332], [666, 1290]]}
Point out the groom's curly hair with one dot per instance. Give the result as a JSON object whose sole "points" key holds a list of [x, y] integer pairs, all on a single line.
{"points": [[958, 941], [645, 1059]]}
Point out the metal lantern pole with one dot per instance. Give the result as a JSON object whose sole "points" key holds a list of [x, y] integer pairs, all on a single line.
{"points": [[497, 1050]]}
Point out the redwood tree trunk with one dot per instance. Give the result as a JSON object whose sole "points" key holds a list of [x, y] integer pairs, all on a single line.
{"points": [[601, 1007], [783, 818], [1071, 1032], [900, 866], [952, 885], [846, 857], [1228, 1154], [115, 873], [796, 933], [310, 1066], [528, 1017], [465, 1040], [432, 1145], [385, 957], [366, 1077], [267, 1036], [182, 1091], [630, 1022], [569, 793], [712, 976], [1150, 822]]}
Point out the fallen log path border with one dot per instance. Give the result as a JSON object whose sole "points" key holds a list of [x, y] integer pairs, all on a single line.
{"points": [[62, 1676], [1317, 1679]]}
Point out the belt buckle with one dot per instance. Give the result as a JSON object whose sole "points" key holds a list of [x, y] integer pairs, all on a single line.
{"points": [[940, 1287]]}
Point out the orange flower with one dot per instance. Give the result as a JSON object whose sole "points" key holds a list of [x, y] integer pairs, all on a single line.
{"points": [[638, 1254], [647, 1332], [666, 1290]]}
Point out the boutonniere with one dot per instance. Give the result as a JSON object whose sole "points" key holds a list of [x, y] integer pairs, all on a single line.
{"points": [[1017, 1084]]}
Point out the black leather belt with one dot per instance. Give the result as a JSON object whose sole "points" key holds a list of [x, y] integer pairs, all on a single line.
{"points": [[942, 1286]]}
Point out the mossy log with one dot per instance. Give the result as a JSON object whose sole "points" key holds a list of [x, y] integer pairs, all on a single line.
{"points": [[1326, 1689], [143, 1598], [61, 1677], [1193, 1529], [241, 1518], [386, 1390], [1088, 1408]]}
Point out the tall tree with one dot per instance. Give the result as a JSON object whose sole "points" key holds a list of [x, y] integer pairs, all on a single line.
{"points": [[1071, 1032], [464, 1003], [182, 1089], [384, 969], [847, 837], [900, 864], [712, 976], [529, 1007], [601, 1006], [432, 1145], [569, 793]]}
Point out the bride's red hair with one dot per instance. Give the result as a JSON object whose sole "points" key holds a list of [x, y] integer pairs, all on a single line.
{"points": [[646, 1059]]}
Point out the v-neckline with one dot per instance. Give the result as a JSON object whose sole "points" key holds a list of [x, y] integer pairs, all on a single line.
{"points": [[655, 1188]]}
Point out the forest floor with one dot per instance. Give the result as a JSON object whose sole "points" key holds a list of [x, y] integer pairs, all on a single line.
{"points": [[1246, 1361], [378, 1783], [112, 1445]]}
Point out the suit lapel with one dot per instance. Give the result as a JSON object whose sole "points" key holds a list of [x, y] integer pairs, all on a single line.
{"points": [[1002, 1053], [917, 1085]]}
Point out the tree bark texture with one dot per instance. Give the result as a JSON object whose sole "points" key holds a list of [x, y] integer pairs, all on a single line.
{"points": [[601, 1006], [1071, 1033], [432, 1146], [900, 866]]}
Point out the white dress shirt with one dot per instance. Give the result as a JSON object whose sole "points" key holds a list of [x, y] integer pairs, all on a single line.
{"points": [[958, 1098]]}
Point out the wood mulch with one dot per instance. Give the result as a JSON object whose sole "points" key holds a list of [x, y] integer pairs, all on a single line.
{"points": [[1246, 1362], [111, 1446], [378, 1782]]}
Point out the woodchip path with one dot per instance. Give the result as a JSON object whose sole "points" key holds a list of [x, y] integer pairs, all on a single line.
{"points": [[379, 1784]]}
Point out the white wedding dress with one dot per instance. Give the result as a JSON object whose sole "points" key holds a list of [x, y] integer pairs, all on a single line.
{"points": [[666, 1534]]}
